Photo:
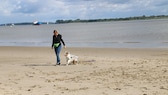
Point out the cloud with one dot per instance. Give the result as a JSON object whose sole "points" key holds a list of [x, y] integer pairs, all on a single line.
{"points": [[29, 10]]}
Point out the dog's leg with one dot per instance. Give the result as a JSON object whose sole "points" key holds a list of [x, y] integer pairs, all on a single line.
{"points": [[74, 62], [69, 61], [66, 62]]}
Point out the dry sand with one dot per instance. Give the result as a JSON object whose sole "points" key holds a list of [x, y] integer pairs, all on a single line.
{"points": [[101, 71]]}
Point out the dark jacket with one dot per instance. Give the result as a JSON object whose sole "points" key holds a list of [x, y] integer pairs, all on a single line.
{"points": [[57, 39]]}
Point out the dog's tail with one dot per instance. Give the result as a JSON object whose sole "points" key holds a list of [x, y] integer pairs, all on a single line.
{"points": [[76, 56]]}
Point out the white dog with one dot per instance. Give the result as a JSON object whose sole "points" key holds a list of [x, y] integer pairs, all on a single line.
{"points": [[71, 58]]}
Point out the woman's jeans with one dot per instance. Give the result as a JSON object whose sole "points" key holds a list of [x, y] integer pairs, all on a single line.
{"points": [[57, 52]]}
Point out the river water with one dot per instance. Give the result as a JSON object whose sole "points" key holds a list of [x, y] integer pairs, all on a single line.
{"points": [[114, 34]]}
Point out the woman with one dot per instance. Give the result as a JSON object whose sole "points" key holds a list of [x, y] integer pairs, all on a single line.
{"points": [[56, 44]]}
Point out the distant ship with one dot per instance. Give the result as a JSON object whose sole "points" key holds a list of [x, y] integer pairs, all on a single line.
{"points": [[36, 23]]}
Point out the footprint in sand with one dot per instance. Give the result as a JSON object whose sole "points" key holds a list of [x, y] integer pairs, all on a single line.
{"points": [[33, 87], [87, 62], [29, 75]]}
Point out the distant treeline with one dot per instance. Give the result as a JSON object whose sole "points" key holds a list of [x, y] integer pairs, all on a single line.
{"points": [[92, 20], [113, 19]]}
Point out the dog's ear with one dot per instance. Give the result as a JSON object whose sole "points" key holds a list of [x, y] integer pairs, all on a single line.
{"points": [[66, 52]]}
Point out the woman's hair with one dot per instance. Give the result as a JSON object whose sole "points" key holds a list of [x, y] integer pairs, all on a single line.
{"points": [[55, 31]]}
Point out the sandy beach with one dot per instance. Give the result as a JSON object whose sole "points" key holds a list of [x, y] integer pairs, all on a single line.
{"points": [[100, 71]]}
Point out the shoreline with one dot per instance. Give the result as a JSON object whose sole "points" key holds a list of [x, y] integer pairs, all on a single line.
{"points": [[134, 48], [102, 71]]}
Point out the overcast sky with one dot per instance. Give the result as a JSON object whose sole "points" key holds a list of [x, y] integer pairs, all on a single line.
{"points": [[12, 11]]}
